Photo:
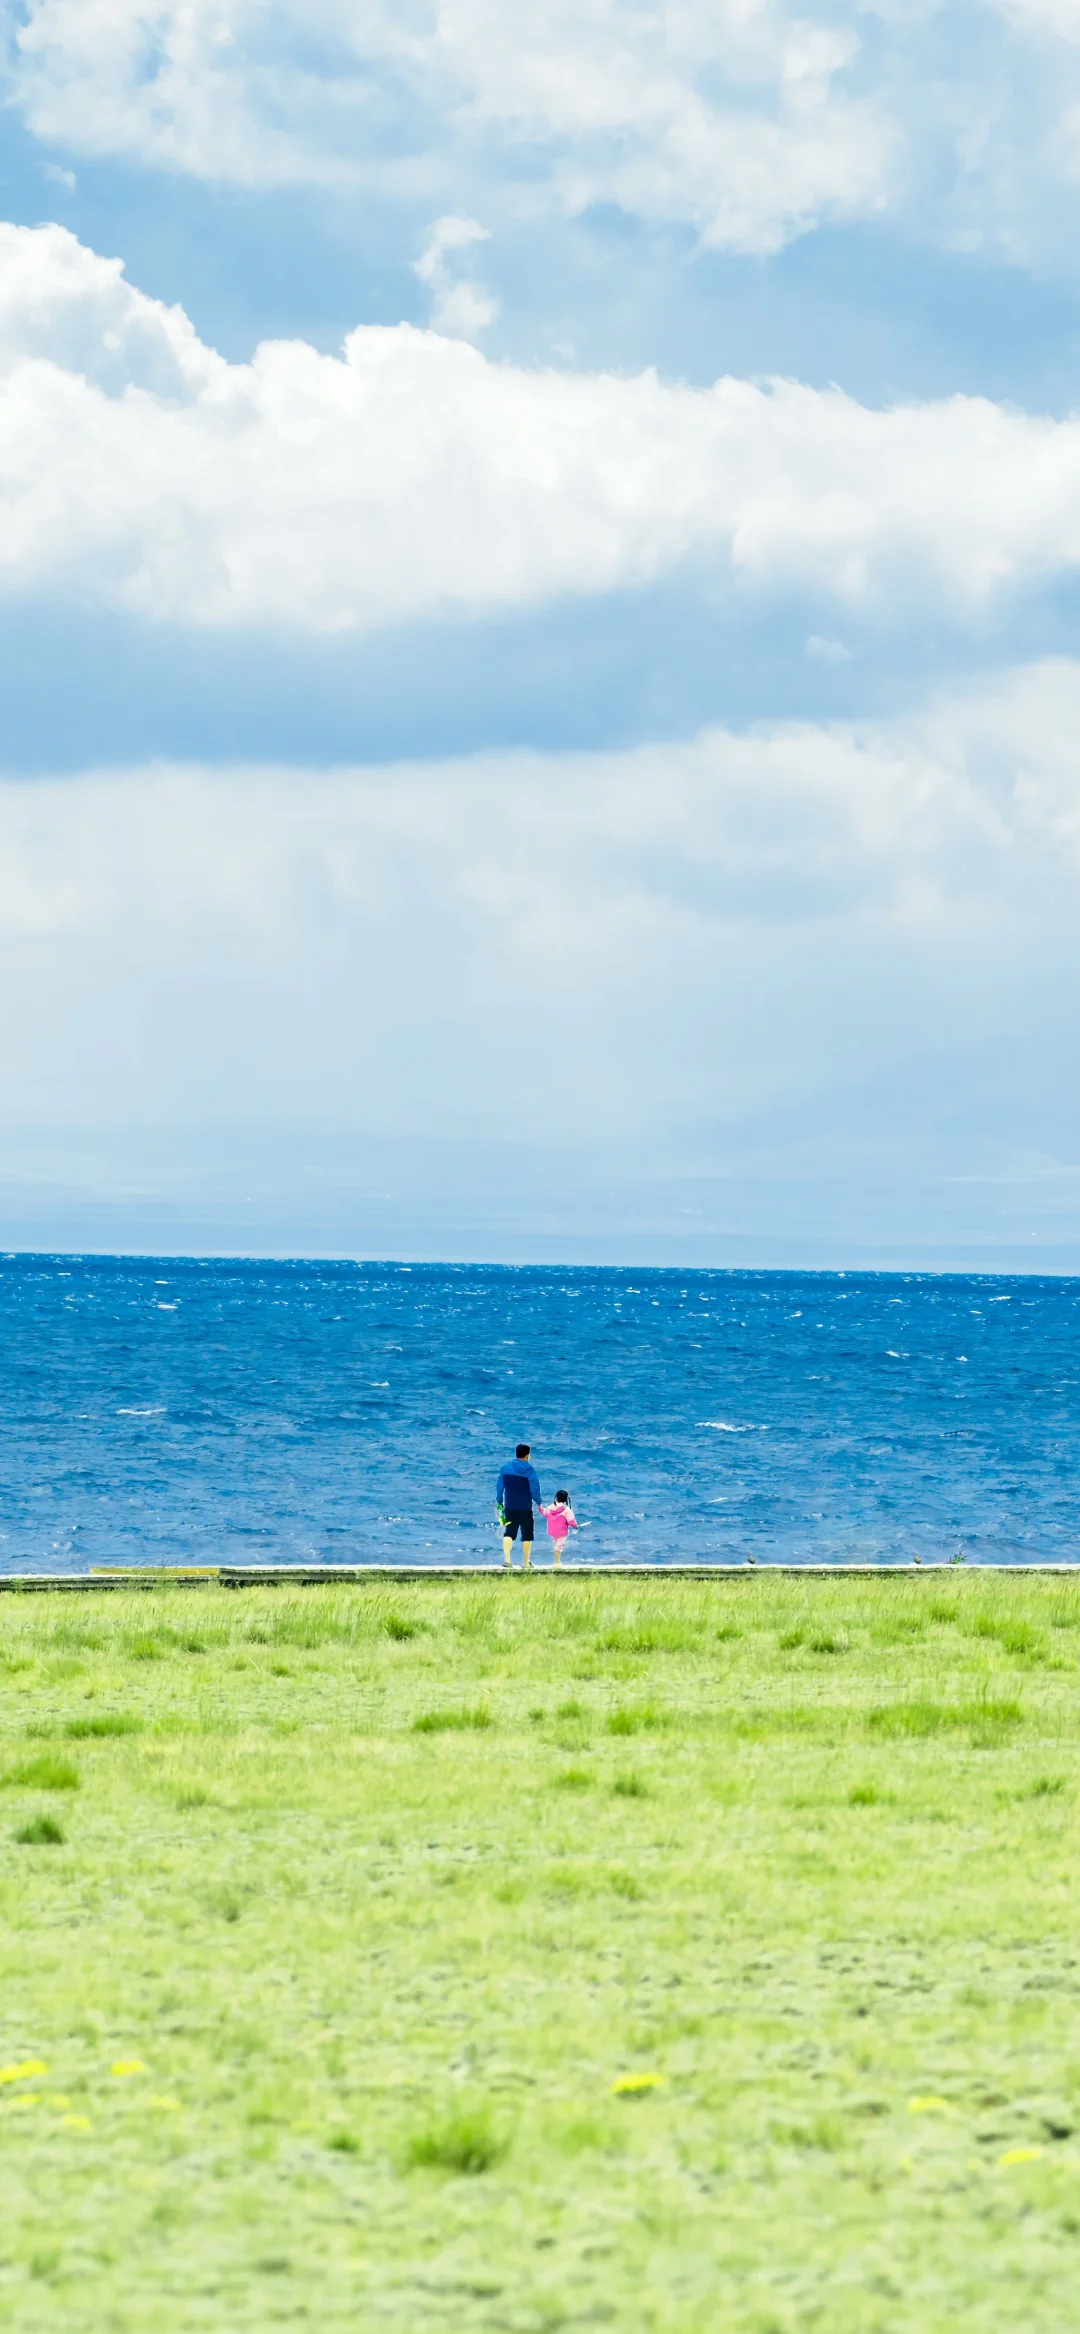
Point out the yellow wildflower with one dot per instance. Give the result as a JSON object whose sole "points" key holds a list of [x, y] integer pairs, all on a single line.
{"points": [[1021, 2156], [930, 2106], [25, 2068], [632, 2086], [127, 2066], [163, 2100], [24, 2099], [75, 2123]]}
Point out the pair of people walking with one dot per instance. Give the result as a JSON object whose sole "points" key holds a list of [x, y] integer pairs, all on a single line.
{"points": [[516, 1493]]}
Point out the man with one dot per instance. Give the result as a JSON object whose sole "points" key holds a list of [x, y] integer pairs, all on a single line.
{"points": [[518, 1486]]}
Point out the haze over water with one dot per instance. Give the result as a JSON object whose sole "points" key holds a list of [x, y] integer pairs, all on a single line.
{"points": [[187, 1412]]}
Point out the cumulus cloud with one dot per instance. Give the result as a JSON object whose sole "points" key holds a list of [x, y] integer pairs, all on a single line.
{"points": [[410, 476], [750, 124], [728, 116], [675, 937]]}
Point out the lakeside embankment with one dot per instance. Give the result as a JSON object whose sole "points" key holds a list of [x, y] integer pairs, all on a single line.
{"points": [[381, 1576]]}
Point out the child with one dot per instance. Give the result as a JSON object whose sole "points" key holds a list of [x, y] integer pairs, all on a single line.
{"points": [[560, 1520]]}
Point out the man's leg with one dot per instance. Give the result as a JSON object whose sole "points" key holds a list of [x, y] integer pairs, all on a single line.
{"points": [[526, 1548], [507, 1545]]}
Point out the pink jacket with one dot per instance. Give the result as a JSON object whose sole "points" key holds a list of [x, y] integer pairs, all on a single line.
{"points": [[560, 1521]]}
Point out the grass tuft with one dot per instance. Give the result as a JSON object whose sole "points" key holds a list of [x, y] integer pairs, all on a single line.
{"points": [[824, 2131], [572, 1779], [42, 1831], [659, 1637], [102, 1724], [626, 1884], [919, 1718], [444, 1721], [630, 1787], [47, 1772], [464, 2140], [225, 1902], [898, 1628], [630, 1721], [1014, 1636]]}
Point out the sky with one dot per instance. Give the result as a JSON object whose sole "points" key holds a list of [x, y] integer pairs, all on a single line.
{"points": [[539, 583]]}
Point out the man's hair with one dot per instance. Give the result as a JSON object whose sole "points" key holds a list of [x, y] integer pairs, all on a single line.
{"points": [[522, 1451]]}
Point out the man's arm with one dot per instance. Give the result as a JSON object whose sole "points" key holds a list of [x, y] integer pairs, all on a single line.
{"points": [[500, 1487], [534, 1486]]}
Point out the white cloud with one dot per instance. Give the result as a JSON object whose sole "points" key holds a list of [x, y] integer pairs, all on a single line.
{"points": [[458, 305], [751, 123], [670, 938], [140, 470], [719, 113]]}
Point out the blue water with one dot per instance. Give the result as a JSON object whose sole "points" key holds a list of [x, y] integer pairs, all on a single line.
{"points": [[186, 1412]]}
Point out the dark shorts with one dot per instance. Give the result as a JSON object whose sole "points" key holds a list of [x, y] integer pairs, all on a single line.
{"points": [[518, 1523]]}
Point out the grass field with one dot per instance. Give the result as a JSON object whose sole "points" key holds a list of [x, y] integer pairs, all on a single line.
{"points": [[542, 1954]]}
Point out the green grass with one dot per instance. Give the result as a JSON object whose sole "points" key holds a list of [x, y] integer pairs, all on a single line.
{"points": [[45, 1771], [464, 2139], [99, 1723], [681, 1958], [442, 1721], [40, 1831]]}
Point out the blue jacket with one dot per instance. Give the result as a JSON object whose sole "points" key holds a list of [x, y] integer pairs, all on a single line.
{"points": [[517, 1487]]}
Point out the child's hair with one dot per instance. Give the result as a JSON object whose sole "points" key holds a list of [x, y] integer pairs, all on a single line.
{"points": [[562, 1499]]}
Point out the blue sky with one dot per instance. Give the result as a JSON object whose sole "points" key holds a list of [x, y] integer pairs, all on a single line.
{"points": [[538, 602]]}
